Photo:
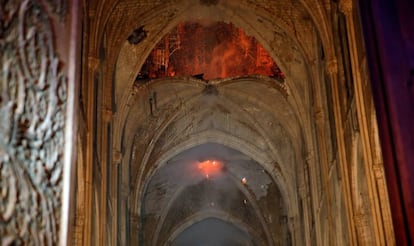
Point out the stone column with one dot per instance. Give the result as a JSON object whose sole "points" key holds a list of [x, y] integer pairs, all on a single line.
{"points": [[332, 70], [379, 207]]}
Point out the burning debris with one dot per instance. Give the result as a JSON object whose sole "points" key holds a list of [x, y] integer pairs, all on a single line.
{"points": [[210, 168], [216, 51]]}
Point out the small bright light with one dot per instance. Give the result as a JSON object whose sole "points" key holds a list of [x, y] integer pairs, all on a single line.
{"points": [[210, 168], [244, 181]]}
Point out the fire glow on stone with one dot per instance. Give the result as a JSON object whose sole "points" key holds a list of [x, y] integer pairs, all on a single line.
{"points": [[214, 51], [210, 168]]}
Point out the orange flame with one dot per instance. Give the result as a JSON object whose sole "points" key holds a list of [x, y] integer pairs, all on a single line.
{"points": [[219, 50], [210, 168]]}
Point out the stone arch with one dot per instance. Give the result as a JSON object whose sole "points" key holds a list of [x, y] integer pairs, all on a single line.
{"points": [[153, 141], [122, 108], [213, 214], [287, 191], [185, 146], [239, 145], [131, 57], [198, 86]]}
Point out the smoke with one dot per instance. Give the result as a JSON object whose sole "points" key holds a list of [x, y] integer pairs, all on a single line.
{"points": [[184, 171], [213, 232], [219, 184], [184, 179]]}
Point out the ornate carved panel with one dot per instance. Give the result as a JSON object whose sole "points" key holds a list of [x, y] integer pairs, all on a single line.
{"points": [[33, 91]]}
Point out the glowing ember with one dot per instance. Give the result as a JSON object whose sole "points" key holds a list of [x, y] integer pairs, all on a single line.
{"points": [[218, 50], [210, 167]]}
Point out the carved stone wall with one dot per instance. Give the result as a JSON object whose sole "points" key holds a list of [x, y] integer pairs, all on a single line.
{"points": [[33, 87]]}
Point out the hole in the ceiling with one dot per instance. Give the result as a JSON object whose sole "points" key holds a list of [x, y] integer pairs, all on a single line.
{"points": [[215, 51], [137, 35]]}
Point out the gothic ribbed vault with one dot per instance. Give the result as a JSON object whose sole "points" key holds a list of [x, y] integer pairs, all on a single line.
{"points": [[267, 120], [277, 138]]}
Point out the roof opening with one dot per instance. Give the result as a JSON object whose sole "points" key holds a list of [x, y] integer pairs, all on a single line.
{"points": [[215, 51]]}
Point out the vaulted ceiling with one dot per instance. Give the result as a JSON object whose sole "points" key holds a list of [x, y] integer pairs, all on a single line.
{"points": [[259, 129]]}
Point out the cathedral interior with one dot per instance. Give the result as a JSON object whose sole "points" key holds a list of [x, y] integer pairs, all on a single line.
{"points": [[199, 122]]}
